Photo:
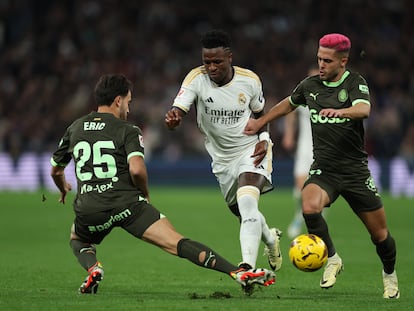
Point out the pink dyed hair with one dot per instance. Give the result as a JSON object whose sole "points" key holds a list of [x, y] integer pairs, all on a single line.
{"points": [[335, 41]]}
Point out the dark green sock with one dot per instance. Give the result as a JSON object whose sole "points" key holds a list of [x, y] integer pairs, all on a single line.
{"points": [[317, 225], [193, 250], [85, 252], [387, 252]]}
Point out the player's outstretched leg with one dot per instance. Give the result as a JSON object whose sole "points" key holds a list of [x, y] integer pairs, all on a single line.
{"points": [[91, 283], [205, 257]]}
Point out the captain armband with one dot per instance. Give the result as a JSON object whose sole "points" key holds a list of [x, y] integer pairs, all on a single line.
{"points": [[264, 136]]}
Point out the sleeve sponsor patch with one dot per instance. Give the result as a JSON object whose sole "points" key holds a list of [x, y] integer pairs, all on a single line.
{"points": [[363, 88], [141, 141]]}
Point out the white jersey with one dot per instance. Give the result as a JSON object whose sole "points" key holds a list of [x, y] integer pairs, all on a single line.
{"points": [[223, 111], [304, 146]]}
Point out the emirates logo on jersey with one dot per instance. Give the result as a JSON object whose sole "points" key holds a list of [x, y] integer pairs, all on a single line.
{"points": [[242, 99]]}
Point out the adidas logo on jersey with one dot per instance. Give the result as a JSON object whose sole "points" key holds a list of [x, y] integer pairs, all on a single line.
{"points": [[209, 100]]}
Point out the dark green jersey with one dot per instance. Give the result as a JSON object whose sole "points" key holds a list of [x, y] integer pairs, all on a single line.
{"points": [[338, 143], [101, 145]]}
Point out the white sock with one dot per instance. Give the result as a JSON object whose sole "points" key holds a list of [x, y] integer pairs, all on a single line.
{"points": [[251, 223], [267, 237]]}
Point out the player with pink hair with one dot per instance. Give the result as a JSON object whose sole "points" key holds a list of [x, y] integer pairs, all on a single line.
{"points": [[338, 101]]}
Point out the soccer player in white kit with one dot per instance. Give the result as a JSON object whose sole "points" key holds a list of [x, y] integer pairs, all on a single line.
{"points": [[225, 97]]}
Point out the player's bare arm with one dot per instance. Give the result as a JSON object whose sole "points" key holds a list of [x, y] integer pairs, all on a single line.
{"points": [[358, 111], [261, 147], [280, 109], [58, 176], [139, 175], [173, 117], [260, 152]]}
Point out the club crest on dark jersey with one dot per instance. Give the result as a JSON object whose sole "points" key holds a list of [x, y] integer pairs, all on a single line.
{"points": [[342, 95]]}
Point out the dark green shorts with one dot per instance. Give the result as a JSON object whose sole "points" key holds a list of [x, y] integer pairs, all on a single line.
{"points": [[358, 189], [135, 219]]}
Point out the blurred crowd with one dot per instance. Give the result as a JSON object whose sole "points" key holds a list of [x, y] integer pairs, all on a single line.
{"points": [[52, 53]]}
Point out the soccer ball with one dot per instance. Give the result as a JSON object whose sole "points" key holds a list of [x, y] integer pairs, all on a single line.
{"points": [[308, 252]]}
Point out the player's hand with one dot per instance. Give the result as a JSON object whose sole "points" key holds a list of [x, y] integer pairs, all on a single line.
{"points": [[172, 118], [331, 113], [252, 127], [68, 187], [260, 152]]}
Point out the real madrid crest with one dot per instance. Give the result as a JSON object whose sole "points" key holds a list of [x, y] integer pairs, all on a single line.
{"points": [[242, 99]]}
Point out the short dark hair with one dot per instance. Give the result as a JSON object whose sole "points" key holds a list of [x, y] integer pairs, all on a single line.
{"points": [[216, 38], [110, 86]]}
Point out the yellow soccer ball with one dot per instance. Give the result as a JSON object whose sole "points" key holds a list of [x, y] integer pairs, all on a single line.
{"points": [[308, 252]]}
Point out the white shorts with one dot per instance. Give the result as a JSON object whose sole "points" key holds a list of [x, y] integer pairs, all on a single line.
{"points": [[228, 172]]}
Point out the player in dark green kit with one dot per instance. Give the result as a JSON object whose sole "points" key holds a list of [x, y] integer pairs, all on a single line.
{"points": [[338, 101], [112, 189]]}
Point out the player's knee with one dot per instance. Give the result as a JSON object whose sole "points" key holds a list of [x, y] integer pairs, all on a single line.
{"points": [[170, 246], [379, 236], [311, 207]]}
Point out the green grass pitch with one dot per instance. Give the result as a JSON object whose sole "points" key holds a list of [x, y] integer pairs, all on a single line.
{"points": [[39, 272]]}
